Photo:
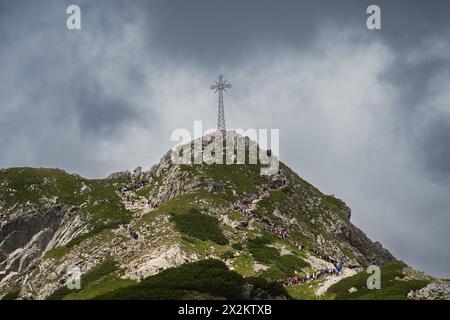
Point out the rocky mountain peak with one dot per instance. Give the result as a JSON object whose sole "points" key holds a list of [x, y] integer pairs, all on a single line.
{"points": [[268, 226]]}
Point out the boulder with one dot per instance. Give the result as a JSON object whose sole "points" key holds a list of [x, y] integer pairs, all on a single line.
{"points": [[137, 173], [121, 175]]}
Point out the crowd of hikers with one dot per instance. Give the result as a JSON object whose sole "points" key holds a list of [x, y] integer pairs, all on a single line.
{"points": [[134, 186], [269, 226], [312, 276], [127, 188]]}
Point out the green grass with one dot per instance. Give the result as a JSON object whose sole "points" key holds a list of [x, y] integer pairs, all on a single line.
{"points": [[391, 289], [304, 291], [347, 252], [201, 226], [87, 279], [199, 199], [145, 192], [202, 248], [102, 285], [261, 252], [57, 252], [244, 265], [104, 205], [281, 266], [243, 178], [22, 185], [235, 216], [267, 205], [98, 205], [289, 263], [13, 293]]}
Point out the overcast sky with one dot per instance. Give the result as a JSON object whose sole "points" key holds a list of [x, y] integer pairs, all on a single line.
{"points": [[363, 114]]}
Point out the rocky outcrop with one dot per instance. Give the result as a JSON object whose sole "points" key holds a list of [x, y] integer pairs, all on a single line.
{"points": [[158, 260], [121, 175], [172, 181], [433, 291], [28, 235], [322, 222], [137, 173], [30, 229], [371, 252]]}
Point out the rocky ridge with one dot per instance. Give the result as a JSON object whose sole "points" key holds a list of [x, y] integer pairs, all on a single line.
{"points": [[42, 239]]}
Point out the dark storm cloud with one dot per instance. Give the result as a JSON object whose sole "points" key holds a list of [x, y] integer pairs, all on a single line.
{"points": [[424, 128], [99, 114], [410, 27], [53, 98], [436, 150], [408, 23], [97, 100], [218, 32]]}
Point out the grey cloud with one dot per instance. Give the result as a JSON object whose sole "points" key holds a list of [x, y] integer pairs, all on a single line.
{"points": [[356, 108], [436, 151], [422, 126], [100, 114]]}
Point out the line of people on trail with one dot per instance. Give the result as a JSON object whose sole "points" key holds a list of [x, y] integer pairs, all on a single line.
{"points": [[281, 232], [312, 276], [134, 186]]}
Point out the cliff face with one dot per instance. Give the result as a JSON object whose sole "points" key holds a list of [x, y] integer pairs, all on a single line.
{"points": [[170, 215], [25, 237]]}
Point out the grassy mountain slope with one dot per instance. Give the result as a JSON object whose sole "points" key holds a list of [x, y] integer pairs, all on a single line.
{"points": [[193, 241]]}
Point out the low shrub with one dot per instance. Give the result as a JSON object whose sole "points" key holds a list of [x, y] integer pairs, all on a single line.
{"points": [[201, 226]]}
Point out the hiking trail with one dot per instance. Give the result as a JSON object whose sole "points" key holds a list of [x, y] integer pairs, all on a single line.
{"points": [[331, 280]]}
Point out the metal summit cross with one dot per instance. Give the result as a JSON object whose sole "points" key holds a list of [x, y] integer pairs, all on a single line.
{"points": [[220, 87]]}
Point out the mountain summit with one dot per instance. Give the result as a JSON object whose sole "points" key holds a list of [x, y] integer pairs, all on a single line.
{"points": [[185, 231]]}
